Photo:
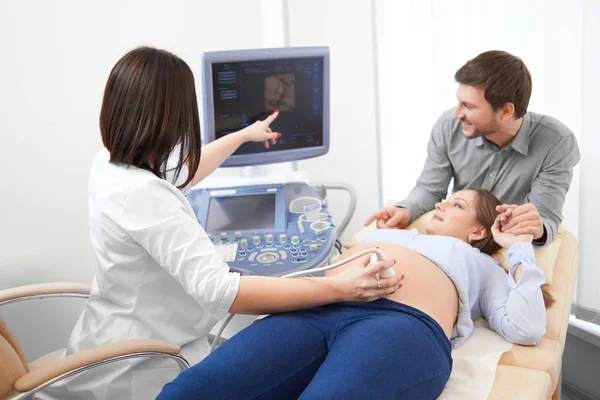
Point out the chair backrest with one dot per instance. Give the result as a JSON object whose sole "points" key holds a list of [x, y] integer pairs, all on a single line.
{"points": [[13, 364]]}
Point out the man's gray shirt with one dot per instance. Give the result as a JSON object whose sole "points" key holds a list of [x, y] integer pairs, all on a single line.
{"points": [[536, 167]]}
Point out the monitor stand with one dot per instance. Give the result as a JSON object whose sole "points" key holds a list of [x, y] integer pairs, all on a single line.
{"points": [[254, 175], [257, 171]]}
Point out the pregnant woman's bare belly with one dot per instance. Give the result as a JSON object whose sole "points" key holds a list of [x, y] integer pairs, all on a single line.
{"points": [[425, 286]]}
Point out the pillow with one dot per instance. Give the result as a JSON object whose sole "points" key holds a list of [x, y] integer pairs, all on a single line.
{"points": [[363, 232], [545, 256]]}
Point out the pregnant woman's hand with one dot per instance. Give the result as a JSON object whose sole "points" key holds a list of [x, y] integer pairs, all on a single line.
{"points": [[507, 239]]}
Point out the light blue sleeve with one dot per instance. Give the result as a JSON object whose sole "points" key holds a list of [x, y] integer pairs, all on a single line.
{"points": [[397, 236], [516, 310]]}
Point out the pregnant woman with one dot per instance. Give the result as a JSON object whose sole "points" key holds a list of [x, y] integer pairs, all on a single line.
{"points": [[395, 347]]}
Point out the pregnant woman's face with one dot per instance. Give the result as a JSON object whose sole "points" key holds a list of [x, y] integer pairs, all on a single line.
{"points": [[457, 217]]}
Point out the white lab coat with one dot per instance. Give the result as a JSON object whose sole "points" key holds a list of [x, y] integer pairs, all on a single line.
{"points": [[157, 276]]}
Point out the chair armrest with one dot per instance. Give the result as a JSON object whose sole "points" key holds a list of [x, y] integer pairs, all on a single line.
{"points": [[86, 359], [41, 290]]}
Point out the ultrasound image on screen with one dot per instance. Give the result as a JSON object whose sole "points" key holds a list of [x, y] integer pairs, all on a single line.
{"points": [[280, 93], [256, 211], [248, 91]]}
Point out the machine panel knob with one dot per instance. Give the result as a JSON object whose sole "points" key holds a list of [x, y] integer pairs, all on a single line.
{"points": [[238, 235], [223, 235], [269, 238], [295, 239], [244, 242], [256, 239], [283, 238]]}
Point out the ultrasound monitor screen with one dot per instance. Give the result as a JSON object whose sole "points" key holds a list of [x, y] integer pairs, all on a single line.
{"points": [[256, 211], [247, 91]]}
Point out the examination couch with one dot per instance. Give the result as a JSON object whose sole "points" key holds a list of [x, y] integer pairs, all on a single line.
{"points": [[532, 372]]}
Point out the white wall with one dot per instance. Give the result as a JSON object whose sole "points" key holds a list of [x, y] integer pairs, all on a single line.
{"points": [[56, 58], [588, 291], [346, 27]]}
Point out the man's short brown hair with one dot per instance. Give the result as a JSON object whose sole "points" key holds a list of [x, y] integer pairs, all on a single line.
{"points": [[504, 77]]}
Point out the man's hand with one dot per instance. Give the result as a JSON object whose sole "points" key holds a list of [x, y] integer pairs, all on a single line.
{"points": [[521, 220], [506, 239], [390, 218]]}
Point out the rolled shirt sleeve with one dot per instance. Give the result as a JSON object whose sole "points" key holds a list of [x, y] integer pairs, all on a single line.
{"points": [[517, 310], [549, 189]]}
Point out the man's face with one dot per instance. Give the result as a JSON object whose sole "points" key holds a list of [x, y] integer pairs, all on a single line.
{"points": [[475, 113]]}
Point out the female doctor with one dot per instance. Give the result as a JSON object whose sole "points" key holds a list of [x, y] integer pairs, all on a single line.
{"points": [[158, 274]]}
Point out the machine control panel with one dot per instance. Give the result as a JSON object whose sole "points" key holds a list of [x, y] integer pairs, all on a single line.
{"points": [[268, 230]]}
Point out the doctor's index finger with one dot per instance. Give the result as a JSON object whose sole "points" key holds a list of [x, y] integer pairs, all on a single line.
{"points": [[381, 265], [364, 260], [271, 118]]}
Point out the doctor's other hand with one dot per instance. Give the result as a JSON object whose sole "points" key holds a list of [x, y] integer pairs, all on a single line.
{"points": [[261, 132], [359, 281], [390, 218]]}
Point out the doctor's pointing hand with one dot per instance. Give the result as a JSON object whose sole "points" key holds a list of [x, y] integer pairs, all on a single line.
{"points": [[261, 132]]}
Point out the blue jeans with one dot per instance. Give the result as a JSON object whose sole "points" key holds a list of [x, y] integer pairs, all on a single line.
{"points": [[378, 350]]}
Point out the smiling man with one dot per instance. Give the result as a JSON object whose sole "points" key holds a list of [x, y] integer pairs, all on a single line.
{"points": [[490, 141]]}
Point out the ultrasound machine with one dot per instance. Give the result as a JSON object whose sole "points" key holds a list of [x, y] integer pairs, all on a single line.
{"points": [[267, 224], [281, 227]]}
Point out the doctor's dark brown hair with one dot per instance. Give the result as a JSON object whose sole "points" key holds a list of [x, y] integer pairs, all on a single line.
{"points": [[149, 107], [504, 77], [486, 216]]}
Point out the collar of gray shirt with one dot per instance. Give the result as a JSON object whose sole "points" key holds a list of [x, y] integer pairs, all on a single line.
{"points": [[521, 142]]}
